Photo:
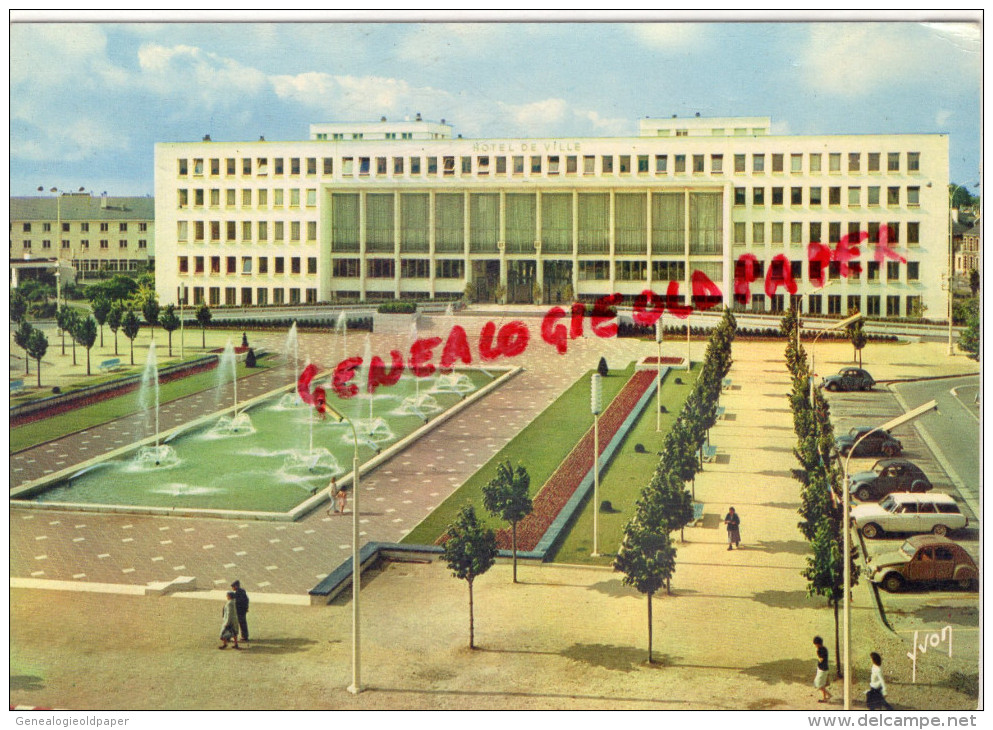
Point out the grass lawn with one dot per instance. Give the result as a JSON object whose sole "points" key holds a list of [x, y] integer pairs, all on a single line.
{"points": [[46, 429], [557, 429], [627, 475]]}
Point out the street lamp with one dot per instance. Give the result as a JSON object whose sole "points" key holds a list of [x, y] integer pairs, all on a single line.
{"points": [[847, 615], [658, 387], [837, 325], [58, 231], [356, 686], [182, 323], [596, 406]]}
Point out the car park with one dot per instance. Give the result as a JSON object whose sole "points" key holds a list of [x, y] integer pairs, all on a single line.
{"points": [[924, 559], [848, 379], [909, 512], [886, 476], [876, 443]]}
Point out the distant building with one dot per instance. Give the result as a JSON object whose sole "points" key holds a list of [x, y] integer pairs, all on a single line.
{"points": [[92, 234], [969, 255], [369, 211]]}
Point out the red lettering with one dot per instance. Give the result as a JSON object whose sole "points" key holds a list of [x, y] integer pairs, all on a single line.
{"points": [[744, 275], [818, 253], [848, 249], [486, 350], [552, 333], [513, 338], [456, 348], [576, 325], [680, 311], [420, 354], [602, 314], [706, 294], [779, 274], [648, 298], [344, 372], [378, 374], [318, 398], [883, 250]]}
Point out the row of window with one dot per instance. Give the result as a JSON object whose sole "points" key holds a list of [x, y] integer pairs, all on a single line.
{"points": [[855, 231], [84, 227], [84, 244], [450, 165], [264, 296], [105, 264], [815, 196], [409, 268], [342, 136], [211, 197], [246, 230], [231, 264]]}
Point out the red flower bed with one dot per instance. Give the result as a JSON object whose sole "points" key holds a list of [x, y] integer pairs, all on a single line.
{"points": [[563, 483]]}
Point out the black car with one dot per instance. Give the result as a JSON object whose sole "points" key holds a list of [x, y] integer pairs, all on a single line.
{"points": [[848, 379], [888, 475], [877, 443]]}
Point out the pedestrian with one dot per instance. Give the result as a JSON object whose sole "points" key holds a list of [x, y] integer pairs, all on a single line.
{"points": [[341, 497], [732, 520], [229, 627], [333, 509], [244, 339], [875, 696], [241, 608], [821, 679]]}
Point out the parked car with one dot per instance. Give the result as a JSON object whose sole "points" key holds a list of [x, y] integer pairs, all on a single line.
{"points": [[888, 475], [910, 512], [924, 559], [848, 379], [875, 444]]}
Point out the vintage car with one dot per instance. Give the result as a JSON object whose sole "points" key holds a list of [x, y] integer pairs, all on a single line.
{"points": [[888, 475], [848, 379], [877, 443], [910, 512], [924, 559]]}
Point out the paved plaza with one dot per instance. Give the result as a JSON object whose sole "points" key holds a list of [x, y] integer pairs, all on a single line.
{"points": [[735, 634]]}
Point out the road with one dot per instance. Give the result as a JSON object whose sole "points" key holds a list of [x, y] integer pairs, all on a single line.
{"points": [[954, 438]]}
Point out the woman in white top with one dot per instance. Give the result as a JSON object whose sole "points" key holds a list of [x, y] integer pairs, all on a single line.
{"points": [[875, 696]]}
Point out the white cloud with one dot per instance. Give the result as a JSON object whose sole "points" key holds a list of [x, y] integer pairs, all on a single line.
{"points": [[609, 126], [536, 115], [942, 117], [669, 36], [209, 78], [438, 42]]}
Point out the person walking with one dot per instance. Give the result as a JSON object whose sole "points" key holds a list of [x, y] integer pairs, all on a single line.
{"points": [[875, 696], [733, 522], [822, 679], [229, 625], [341, 499], [241, 608]]}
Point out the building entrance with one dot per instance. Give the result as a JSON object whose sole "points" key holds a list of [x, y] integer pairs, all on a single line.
{"points": [[485, 280], [520, 282], [557, 285]]}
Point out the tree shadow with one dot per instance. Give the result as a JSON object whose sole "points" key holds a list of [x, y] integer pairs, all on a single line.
{"points": [[944, 616], [783, 599], [616, 658], [775, 473], [287, 645], [782, 671], [781, 505], [794, 547], [614, 587], [28, 682], [783, 449]]}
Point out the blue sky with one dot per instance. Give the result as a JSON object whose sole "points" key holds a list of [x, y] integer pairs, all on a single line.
{"points": [[89, 100]]}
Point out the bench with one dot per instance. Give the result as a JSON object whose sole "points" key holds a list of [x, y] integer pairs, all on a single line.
{"points": [[697, 513], [708, 452], [16, 386], [720, 413], [108, 365], [726, 384]]}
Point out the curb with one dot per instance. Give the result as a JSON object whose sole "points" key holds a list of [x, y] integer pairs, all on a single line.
{"points": [[928, 377]]}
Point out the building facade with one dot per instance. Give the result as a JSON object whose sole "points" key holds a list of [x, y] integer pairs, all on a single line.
{"points": [[402, 210], [91, 234], [969, 256]]}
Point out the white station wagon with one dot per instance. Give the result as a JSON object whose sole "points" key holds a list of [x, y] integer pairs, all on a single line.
{"points": [[910, 512]]}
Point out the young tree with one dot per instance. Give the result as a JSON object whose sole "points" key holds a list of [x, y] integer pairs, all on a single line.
{"points": [[22, 338], [150, 310], [858, 337], [665, 502], [130, 325], [114, 317], [203, 319], [506, 497], [37, 347], [85, 333], [974, 281], [969, 339], [71, 320], [63, 319], [470, 551], [169, 322], [101, 310], [647, 559], [18, 307], [602, 368]]}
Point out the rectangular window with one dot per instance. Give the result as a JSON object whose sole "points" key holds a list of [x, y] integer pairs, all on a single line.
{"points": [[345, 268], [834, 232], [215, 264], [815, 195], [814, 304], [892, 306], [246, 230], [184, 265], [262, 166], [347, 166], [913, 233], [834, 304], [758, 163], [834, 162], [739, 233], [518, 164], [198, 264], [589, 164], [893, 195], [328, 165], [230, 197], [415, 165], [854, 161], [535, 164], [697, 163], [311, 264], [230, 229], [815, 162], [380, 165], [246, 165], [892, 270], [873, 195], [796, 196], [893, 162], [777, 232], [277, 166], [215, 230], [796, 163], [913, 197], [739, 163], [294, 230], [294, 165], [913, 271], [777, 196], [448, 164], [246, 264], [913, 162], [643, 164], [553, 165], [874, 162], [295, 198], [364, 166], [796, 233], [198, 167], [311, 165], [680, 163], [183, 168], [834, 196], [854, 197], [717, 164], [872, 271], [263, 231], [263, 265], [607, 164], [777, 162], [758, 196], [624, 164], [295, 265], [449, 269], [415, 269], [279, 265], [215, 197], [814, 232], [381, 268], [278, 231], [182, 230], [231, 264], [398, 166], [571, 164], [739, 196], [311, 230], [758, 232]]}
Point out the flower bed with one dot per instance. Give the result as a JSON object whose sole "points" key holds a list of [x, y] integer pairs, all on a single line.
{"points": [[563, 483]]}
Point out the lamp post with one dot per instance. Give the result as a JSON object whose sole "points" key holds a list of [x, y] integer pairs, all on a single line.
{"points": [[58, 231], [838, 325], [596, 403], [356, 686], [847, 550], [658, 386], [182, 322]]}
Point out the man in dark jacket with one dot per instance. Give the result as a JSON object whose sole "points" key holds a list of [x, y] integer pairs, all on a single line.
{"points": [[241, 606]]}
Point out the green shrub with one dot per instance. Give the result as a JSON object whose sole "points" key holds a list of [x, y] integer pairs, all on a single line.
{"points": [[397, 308]]}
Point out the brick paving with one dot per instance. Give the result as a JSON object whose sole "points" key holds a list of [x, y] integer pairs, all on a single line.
{"points": [[285, 557]]}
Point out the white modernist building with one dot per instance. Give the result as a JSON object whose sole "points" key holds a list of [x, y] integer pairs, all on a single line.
{"points": [[383, 210]]}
